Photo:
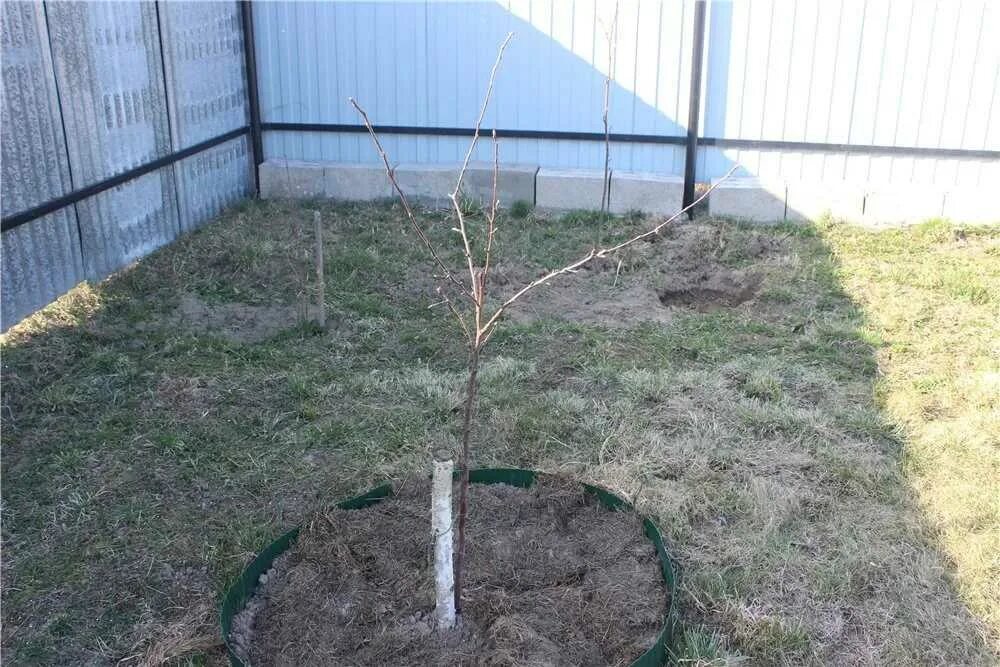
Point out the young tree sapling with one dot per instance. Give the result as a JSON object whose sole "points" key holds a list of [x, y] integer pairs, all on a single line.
{"points": [[466, 299]]}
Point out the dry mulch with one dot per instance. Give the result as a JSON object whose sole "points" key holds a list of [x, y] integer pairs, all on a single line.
{"points": [[553, 578]]}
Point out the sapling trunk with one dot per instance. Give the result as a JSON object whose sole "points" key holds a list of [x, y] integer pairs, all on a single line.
{"points": [[442, 534], [612, 36], [320, 272], [471, 389]]}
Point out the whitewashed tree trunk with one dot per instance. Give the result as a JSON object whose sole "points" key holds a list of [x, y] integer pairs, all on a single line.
{"points": [[442, 534]]}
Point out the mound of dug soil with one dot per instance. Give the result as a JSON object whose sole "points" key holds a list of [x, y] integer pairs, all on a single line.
{"points": [[682, 269], [553, 578]]}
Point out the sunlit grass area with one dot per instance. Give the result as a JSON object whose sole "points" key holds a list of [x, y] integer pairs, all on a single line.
{"points": [[811, 417], [931, 297]]}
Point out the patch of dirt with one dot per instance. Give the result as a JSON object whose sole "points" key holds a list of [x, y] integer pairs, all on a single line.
{"points": [[553, 578], [710, 289], [685, 260], [185, 398], [760, 245], [238, 322], [583, 301]]}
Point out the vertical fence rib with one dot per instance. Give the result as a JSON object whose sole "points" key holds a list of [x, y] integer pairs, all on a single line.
{"points": [[173, 134], [694, 102], [62, 124], [250, 55]]}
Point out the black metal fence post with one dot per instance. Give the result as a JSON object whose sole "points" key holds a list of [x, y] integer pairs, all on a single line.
{"points": [[694, 103], [253, 98]]}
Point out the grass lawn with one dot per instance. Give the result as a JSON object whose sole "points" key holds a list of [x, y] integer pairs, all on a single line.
{"points": [[813, 420]]}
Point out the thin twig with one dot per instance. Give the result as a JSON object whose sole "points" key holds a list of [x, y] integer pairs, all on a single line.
{"points": [[612, 49], [482, 113], [454, 311], [320, 272], [402, 198], [491, 218], [466, 246], [601, 252]]}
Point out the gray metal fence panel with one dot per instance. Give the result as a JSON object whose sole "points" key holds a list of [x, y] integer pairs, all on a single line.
{"points": [[110, 75], [206, 80], [213, 180], [905, 74], [128, 222], [92, 91], [427, 64], [42, 259], [921, 74]]}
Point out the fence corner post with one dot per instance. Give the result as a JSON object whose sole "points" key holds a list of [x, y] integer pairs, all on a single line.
{"points": [[253, 97], [694, 104]]}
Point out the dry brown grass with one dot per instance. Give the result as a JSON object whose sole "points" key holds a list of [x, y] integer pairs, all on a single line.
{"points": [[195, 632], [818, 456], [931, 295]]}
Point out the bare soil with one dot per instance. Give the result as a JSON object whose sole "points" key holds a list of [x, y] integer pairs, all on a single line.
{"points": [[680, 269], [712, 288], [553, 578]]}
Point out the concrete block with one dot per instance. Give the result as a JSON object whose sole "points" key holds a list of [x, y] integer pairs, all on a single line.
{"points": [[428, 184], [516, 183], [356, 182], [567, 190], [902, 205], [291, 179], [649, 193], [749, 199], [811, 200], [973, 205]]}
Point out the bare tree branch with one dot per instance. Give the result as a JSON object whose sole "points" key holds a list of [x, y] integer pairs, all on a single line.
{"points": [[601, 252], [491, 217], [402, 198], [482, 113], [454, 311], [612, 36], [467, 248], [466, 245]]}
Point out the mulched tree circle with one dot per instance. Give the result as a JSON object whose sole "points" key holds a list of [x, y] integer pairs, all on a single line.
{"points": [[558, 573]]}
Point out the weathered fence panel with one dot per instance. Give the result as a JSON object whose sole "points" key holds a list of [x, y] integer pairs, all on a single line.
{"points": [[95, 90], [42, 259], [203, 60], [912, 74], [426, 64], [110, 77], [904, 74]]}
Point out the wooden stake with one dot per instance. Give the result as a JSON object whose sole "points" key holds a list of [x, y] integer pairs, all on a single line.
{"points": [[320, 273]]}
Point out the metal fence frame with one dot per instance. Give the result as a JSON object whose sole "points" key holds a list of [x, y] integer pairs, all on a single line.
{"points": [[691, 141], [15, 220]]}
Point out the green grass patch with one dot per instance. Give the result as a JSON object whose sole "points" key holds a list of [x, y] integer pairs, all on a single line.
{"points": [[821, 457]]}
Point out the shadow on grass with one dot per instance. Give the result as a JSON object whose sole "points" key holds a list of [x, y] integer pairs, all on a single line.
{"points": [[145, 461]]}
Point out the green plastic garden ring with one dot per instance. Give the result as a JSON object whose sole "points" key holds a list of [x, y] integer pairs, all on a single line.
{"points": [[245, 586]]}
